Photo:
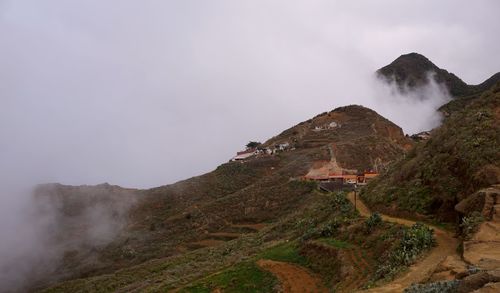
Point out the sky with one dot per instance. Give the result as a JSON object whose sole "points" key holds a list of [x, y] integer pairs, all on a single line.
{"points": [[145, 93]]}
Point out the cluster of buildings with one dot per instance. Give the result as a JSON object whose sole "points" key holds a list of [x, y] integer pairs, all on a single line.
{"points": [[250, 152], [424, 135], [330, 125], [361, 178]]}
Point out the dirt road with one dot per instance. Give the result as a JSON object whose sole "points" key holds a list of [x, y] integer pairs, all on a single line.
{"points": [[293, 278], [422, 270]]}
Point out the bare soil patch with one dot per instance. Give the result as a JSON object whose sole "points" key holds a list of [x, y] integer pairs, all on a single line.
{"points": [[293, 278]]}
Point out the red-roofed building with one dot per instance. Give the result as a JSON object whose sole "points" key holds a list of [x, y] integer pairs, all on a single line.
{"points": [[244, 154], [247, 151]]}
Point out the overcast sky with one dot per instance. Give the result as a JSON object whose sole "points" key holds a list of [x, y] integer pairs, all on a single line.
{"points": [[144, 93]]}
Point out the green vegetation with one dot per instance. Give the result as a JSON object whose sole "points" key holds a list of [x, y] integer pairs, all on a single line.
{"points": [[436, 287], [336, 212], [245, 277], [460, 158], [287, 252], [169, 242], [310, 185], [335, 243], [339, 200], [415, 240], [327, 229], [373, 221], [231, 266], [470, 224], [253, 144]]}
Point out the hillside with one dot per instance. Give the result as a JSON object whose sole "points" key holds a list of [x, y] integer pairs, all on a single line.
{"points": [[239, 202], [460, 158], [256, 224], [412, 71]]}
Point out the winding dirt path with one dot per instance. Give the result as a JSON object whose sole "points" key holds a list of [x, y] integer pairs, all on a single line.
{"points": [[423, 269], [293, 278]]}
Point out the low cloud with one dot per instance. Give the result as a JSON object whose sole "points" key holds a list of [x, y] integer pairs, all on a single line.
{"points": [[145, 93], [414, 109], [54, 225]]}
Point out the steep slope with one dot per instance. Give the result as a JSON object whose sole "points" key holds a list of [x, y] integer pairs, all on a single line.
{"points": [[412, 70], [460, 158], [360, 138], [223, 206]]}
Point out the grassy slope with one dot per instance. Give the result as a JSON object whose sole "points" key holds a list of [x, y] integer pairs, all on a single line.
{"points": [[243, 277], [181, 269], [168, 220], [232, 266], [461, 157]]}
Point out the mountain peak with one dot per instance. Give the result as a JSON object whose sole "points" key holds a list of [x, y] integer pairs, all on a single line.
{"points": [[414, 59], [410, 71]]}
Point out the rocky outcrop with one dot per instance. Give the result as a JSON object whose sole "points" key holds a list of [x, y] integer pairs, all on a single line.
{"points": [[451, 268], [479, 271], [489, 288], [483, 249], [478, 281], [484, 201], [479, 268]]}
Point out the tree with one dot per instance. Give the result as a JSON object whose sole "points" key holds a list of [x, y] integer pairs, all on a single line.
{"points": [[253, 144]]}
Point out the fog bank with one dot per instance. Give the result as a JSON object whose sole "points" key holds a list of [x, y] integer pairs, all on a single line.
{"points": [[120, 91], [145, 93]]}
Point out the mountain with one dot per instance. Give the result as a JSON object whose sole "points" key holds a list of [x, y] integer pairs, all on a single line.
{"points": [[413, 70], [263, 224], [453, 177], [238, 209], [460, 158]]}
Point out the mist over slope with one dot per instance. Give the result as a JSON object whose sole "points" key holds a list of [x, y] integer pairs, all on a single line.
{"points": [[54, 226], [413, 70], [236, 201], [460, 158], [86, 224], [143, 94], [99, 94], [191, 229]]}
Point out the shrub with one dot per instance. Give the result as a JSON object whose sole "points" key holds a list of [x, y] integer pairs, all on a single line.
{"points": [[330, 228], [308, 185], [437, 287], [414, 241], [418, 238], [373, 221], [470, 224], [309, 234], [253, 144], [340, 201], [307, 228]]}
